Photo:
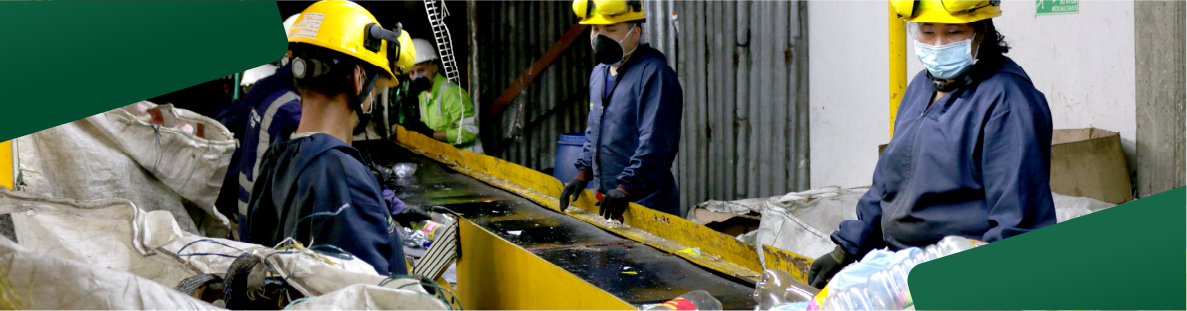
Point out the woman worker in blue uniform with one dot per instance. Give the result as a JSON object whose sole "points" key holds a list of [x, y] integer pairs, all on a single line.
{"points": [[972, 146]]}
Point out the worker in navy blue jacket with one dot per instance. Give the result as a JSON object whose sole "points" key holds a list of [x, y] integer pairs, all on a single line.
{"points": [[314, 187], [275, 112], [971, 153], [634, 118]]}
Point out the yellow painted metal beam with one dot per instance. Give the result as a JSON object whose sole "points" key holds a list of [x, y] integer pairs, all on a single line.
{"points": [[789, 262], [445, 284], [494, 274], [898, 61], [719, 252], [6, 165]]}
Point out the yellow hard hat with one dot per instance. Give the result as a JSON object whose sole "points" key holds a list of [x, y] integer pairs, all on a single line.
{"points": [[348, 28], [605, 12], [947, 11], [288, 23]]}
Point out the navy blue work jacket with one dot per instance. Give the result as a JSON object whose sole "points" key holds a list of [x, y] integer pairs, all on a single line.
{"points": [[976, 164], [322, 174], [633, 134]]}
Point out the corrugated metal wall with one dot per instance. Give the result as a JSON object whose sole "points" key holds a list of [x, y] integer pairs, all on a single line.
{"points": [[742, 65], [511, 36]]}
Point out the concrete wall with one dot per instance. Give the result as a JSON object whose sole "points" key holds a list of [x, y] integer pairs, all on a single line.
{"points": [[1083, 63], [1159, 42], [847, 80]]}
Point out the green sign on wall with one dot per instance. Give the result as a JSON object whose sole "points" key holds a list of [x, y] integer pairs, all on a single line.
{"points": [[1048, 7]]}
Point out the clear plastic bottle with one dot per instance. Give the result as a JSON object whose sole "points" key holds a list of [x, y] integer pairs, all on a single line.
{"points": [[882, 290], [832, 302], [954, 244], [855, 298], [888, 288], [406, 237], [694, 300], [428, 227]]}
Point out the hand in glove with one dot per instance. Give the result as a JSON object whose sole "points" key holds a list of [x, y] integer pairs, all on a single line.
{"points": [[419, 127], [573, 190], [614, 203], [411, 107], [828, 265], [411, 215]]}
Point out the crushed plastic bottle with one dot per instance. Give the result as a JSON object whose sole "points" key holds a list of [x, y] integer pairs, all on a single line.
{"points": [[694, 300], [887, 289], [414, 238], [428, 227], [778, 287]]}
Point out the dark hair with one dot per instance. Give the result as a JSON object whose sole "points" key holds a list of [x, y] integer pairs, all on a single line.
{"points": [[338, 79], [994, 43]]}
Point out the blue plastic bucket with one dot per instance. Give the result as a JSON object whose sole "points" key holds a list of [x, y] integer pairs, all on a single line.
{"points": [[568, 150]]}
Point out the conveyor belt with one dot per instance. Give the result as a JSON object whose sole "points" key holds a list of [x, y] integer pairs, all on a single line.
{"points": [[634, 272]]}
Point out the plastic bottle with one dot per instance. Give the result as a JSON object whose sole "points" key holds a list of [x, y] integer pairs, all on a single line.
{"points": [[694, 300], [429, 228], [414, 238], [408, 238], [856, 298], [888, 289], [882, 290], [954, 244]]}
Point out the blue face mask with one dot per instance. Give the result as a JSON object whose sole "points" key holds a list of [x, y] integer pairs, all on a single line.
{"points": [[946, 61]]}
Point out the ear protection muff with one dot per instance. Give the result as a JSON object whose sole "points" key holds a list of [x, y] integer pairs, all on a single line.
{"points": [[904, 8], [635, 5], [376, 35], [309, 68], [609, 8]]}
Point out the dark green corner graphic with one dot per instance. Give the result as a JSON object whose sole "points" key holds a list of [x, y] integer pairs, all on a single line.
{"points": [[64, 61], [1129, 257]]}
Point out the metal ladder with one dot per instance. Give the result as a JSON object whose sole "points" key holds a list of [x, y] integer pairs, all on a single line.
{"points": [[437, 12]]}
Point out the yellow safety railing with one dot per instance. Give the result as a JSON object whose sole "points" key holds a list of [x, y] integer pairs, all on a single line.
{"points": [[898, 61]]}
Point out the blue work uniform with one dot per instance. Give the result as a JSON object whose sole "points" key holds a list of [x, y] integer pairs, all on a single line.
{"points": [[633, 133], [275, 110], [976, 164], [321, 174], [234, 117]]}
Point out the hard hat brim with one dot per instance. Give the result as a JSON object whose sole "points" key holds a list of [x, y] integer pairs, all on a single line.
{"points": [[607, 20], [942, 16]]}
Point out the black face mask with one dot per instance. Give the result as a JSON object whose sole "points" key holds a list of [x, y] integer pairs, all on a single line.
{"points": [[608, 51], [419, 84]]}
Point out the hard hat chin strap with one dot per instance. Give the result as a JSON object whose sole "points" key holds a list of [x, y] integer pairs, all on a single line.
{"points": [[357, 104], [983, 69]]}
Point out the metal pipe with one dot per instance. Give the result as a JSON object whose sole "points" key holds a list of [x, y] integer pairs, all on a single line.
{"points": [[235, 95], [8, 164], [898, 61]]}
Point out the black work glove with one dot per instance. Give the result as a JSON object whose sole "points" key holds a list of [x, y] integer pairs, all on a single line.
{"points": [[613, 204], [419, 127], [828, 265], [411, 108], [411, 215], [572, 192]]}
